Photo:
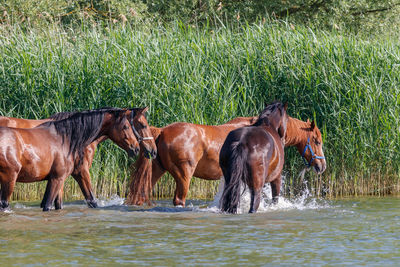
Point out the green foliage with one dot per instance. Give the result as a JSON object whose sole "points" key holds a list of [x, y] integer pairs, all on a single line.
{"points": [[70, 12], [348, 84], [370, 16]]}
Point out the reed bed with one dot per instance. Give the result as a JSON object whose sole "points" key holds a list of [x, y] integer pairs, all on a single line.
{"points": [[349, 84]]}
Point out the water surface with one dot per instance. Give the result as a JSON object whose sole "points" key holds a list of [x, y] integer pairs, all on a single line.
{"points": [[363, 231]]}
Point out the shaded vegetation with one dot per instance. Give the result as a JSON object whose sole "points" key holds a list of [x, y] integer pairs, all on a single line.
{"points": [[367, 15]]}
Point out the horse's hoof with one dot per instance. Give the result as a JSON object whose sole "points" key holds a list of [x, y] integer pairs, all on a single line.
{"points": [[58, 207], [46, 209], [179, 203], [4, 205], [92, 204]]}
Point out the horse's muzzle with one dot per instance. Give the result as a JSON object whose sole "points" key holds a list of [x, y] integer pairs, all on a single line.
{"points": [[133, 152], [150, 154], [319, 167]]}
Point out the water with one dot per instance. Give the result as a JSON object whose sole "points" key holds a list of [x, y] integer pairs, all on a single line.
{"points": [[304, 231]]}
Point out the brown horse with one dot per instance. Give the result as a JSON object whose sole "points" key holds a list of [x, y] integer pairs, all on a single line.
{"points": [[81, 172], [78, 173], [187, 149], [254, 155], [52, 150]]}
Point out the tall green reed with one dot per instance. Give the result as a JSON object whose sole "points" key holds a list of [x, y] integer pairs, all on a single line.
{"points": [[348, 84]]}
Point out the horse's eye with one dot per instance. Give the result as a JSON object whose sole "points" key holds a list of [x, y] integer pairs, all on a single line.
{"points": [[317, 142], [125, 127], [142, 125]]}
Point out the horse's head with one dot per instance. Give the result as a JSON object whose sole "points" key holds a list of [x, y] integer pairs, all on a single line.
{"points": [[275, 116], [311, 150], [122, 133], [142, 132]]}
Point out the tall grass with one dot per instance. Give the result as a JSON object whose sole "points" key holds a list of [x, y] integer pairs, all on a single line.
{"points": [[349, 84]]}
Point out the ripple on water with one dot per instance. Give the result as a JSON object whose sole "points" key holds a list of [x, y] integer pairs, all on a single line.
{"points": [[305, 231]]}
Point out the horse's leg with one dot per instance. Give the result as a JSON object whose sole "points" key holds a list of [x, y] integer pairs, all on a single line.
{"points": [[156, 173], [55, 185], [255, 199], [46, 193], [7, 187], [59, 198], [276, 188], [57, 201], [255, 183], [182, 176], [82, 175], [83, 179]]}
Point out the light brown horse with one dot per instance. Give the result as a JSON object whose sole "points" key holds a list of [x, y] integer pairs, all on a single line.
{"points": [[187, 149], [54, 149], [254, 155]]}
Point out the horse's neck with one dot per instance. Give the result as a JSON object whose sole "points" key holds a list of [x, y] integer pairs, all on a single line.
{"points": [[155, 132], [296, 132]]}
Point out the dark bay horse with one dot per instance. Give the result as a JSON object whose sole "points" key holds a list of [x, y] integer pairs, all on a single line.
{"points": [[187, 149], [254, 155], [54, 149]]}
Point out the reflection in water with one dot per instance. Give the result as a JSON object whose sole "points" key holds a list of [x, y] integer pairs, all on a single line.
{"points": [[350, 231]]}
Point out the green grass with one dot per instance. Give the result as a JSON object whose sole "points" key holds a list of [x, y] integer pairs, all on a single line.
{"points": [[349, 84]]}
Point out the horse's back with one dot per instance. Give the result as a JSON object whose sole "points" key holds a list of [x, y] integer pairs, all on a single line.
{"points": [[241, 121], [20, 123], [7, 122], [261, 145], [194, 144]]}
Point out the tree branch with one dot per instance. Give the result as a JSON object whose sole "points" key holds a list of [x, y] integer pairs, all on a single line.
{"points": [[375, 10]]}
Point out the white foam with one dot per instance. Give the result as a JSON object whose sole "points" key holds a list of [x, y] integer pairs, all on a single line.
{"points": [[115, 200], [7, 210], [304, 201], [19, 206]]}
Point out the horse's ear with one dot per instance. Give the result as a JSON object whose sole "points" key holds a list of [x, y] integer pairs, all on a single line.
{"points": [[285, 106], [142, 111], [312, 126], [145, 110]]}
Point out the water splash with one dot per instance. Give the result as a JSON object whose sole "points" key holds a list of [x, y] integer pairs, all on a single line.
{"points": [[20, 206], [303, 201], [115, 200]]}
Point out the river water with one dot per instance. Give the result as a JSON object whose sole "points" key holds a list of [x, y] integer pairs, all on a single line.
{"points": [[303, 231]]}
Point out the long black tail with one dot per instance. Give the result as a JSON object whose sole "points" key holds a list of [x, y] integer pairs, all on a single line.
{"points": [[236, 174]]}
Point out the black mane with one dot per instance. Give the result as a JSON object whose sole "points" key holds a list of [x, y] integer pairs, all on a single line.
{"points": [[267, 111], [82, 128]]}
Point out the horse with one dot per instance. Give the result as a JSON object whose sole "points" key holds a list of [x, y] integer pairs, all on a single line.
{"points": [[254, 155], [81, 173], [183, 149], [187, 149], [54, 149]]}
